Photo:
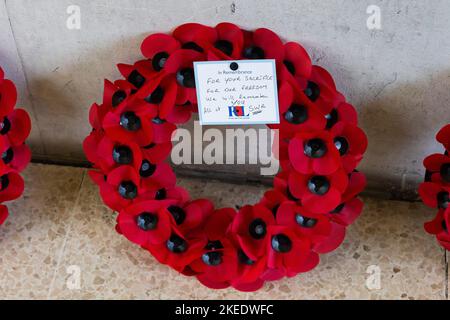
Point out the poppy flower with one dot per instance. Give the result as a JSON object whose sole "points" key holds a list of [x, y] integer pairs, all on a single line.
{"points": [[314, 226], [3, 213], [111, 154], [332, 241], [159, 94], [314, 152], [347, 212], [217, 265], [443, 137], [321, 90], [121, 187], [297, 113], [250, 226], [280, 183], [180, 64], [16, 127], [173, 192], [146, 222], [249, 272], [195, 36], [262, 44], [16, 157], [156, 176], [351, 143], [116, 93], [356, 184], [296, 66], [439, 227], [177, 250], [8, 96], [187, 217], [11, 185], [90, 145], [157, 48], [130, 122], [272, 200], [344, 112], [438, 168], [140, 76], [435, 195], [287, 253], [318, 193], [229, 42]]}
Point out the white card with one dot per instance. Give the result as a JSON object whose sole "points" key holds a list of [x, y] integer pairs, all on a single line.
{"points": [[246, 95]]}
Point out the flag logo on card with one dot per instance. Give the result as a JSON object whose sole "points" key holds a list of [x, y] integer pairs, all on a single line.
{"points": [[237, 111]]}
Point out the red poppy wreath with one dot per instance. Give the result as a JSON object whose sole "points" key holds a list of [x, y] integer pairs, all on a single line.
{"points": [[15, 126], [436, 189], [314, 197]]}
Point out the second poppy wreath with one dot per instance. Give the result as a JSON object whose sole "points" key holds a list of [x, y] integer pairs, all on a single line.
{"points": [[435, 190], [314, 196]]}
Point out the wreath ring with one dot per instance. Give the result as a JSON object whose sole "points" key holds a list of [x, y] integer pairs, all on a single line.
{"points": [[15, 126], [436, 189], [314, 197]]}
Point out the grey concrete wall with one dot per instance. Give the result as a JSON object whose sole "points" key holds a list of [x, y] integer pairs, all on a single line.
{"points": [[397, 77]]}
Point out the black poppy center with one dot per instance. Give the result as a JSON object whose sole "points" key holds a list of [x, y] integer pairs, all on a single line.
{"points": [[213, 258], [8, 155], [443, 199], [127, 190], [244, 259], [312, 91], [332, 118], [290, 195], [338, 209], [290, 66], [341, 144], [156, 96], [158, 120], [147, 221], [254, 52], [147, 169], [445, 172], [305, 221], [281, 243], [296, 114], [122, 155], [176, 244], [315, 148], [5, 126], [224, 46], [178, 214], [118, 97], [192, 46], [257, 228], [159, 60], [214, 245], [130, 121], [275, 209], [136, 79], [161, 194], [318, 185], [4, 182], [186, 78]]}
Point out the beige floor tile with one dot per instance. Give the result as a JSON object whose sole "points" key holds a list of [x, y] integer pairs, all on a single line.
{"points": [[32, 237], [63, 236]]}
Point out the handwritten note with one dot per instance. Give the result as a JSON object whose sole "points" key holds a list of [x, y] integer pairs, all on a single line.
{"points": [[236, 92]]}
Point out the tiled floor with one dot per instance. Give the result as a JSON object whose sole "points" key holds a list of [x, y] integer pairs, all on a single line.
{"points": [[60, 229]]}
